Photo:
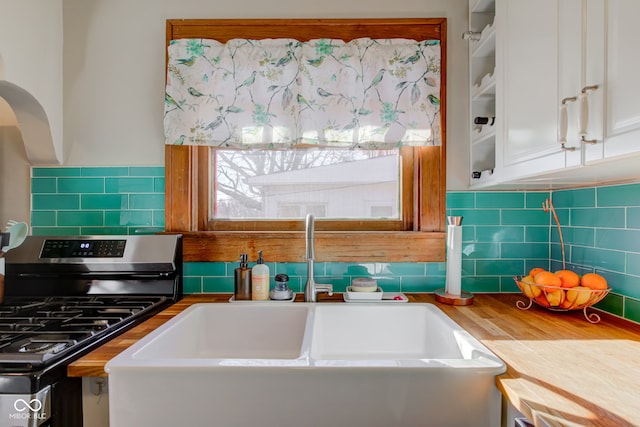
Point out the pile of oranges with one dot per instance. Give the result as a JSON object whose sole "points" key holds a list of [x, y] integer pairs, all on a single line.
{"points": [[563, 289]]}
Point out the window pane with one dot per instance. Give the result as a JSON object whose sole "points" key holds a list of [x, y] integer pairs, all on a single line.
{"points": [[287, 184]]}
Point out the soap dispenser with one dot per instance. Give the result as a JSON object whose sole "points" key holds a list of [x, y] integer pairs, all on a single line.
{"points": [[260, 280], [243, 280]]}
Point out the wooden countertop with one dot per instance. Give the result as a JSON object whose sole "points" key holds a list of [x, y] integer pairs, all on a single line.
{"points": [[561, 369]]}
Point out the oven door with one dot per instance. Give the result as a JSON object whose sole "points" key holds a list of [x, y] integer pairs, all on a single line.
{"points": [[57, 405]]}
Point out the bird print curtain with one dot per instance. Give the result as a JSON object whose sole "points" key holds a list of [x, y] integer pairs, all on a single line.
{"points": [[284, 93]]}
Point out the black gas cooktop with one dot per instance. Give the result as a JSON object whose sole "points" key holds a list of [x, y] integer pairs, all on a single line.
{"points": [[39, 331]]}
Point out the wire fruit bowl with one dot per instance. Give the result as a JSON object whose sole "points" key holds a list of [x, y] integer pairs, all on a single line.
{"points": [[557, 298]]}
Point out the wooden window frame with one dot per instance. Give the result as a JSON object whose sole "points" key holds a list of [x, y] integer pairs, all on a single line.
{"points": [[418, 236]]}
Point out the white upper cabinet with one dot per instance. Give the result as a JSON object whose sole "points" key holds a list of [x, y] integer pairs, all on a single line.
{"points": [[612, 61], [565, 92]]}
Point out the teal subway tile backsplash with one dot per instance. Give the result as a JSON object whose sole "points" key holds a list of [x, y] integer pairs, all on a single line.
{"points": [[505, 234], [97, 200]]}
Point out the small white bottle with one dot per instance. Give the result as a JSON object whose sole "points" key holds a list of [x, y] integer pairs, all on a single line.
{"points": [[260, 280]]}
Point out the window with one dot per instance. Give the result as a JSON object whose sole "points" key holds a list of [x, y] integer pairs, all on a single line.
{"points": [[399, 218]]}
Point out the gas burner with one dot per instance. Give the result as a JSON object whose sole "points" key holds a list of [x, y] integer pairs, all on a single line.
{"points": [[41, 344]]}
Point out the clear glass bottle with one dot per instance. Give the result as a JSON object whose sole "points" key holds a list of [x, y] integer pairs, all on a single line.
{"points": [[260, 280]]}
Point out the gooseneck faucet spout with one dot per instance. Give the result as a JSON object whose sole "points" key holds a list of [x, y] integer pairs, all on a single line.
{"points": [[311, 288]]}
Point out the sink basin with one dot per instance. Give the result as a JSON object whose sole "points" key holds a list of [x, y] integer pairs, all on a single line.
{"points": [[221, 331], [375, 332], [306, 364]]}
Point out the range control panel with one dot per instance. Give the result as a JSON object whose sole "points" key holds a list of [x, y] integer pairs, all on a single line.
{"points": [[90, 248]]}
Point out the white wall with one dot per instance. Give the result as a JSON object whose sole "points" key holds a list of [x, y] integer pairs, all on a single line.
{"points": [[114, 53]]}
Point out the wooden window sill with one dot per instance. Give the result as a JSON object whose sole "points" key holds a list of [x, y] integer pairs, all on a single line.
{"points": [[330, 246]]}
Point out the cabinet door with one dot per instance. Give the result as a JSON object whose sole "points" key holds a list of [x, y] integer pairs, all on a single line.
{"points": [[538, 55], [613, 59]]}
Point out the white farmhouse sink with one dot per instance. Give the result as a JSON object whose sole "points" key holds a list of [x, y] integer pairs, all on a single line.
{"points": [[289, 364]]}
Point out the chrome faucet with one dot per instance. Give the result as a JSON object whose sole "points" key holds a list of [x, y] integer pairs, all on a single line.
{"points": [[311, 288]]}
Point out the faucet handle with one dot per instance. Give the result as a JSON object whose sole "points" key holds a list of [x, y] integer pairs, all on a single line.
{"points": [[321, 287]]}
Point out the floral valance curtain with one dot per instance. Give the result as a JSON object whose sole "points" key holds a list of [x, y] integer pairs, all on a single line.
{"points": [[283, 93]]}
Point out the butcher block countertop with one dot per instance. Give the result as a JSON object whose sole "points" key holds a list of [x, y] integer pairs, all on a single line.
{"points": [[561, 369]]}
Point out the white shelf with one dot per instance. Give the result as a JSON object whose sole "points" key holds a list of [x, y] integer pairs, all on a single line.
{"points": [[483, 135], [486, 46], [486, 87]]}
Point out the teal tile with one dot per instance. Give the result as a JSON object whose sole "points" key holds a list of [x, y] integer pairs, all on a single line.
{"points": [[146, 201], [490, 199], [105, 171], [192, 285], [500, 267], [498, 234], [55, 201], [480, 250], [104, 231], [556, 252], [217, 284], [564, 217], [632, 309], [468, 233], [633, 218], [622, 284], [613, 304], [339, 284], [538, 234], [436, 268], [55, 231], [389, 284], [43, 218], [622, 240], [349, 269], [158, 185], [204, 269], [460, 200], [80, 218], [619, 195], [129, 185], [56, 171], [421, 284], [525, 250], [158, 218], [80, 185], [401, 268], [128, 218], [525, 217], [582, 236], [582, 197], [507, 284], [599, 217], [468, 268], [291, 268], [157, 171], [104, 201], [481, 284], [478, 217], [633, 264], [44, 185], [534, 200], [598, 258]]}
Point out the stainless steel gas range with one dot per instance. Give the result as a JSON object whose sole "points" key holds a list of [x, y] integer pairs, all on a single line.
{"points": [[65, 296]]}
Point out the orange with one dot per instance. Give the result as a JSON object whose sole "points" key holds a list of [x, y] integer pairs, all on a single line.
{"points": [[535, 271], [542, 300], [568, 278], [547, 278], [594, 281]]}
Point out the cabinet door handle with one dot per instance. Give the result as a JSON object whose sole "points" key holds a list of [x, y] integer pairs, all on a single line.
{"points": [[584, 114], [564, 123]]}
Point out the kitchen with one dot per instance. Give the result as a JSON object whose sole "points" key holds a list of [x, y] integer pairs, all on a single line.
{"points": [[97, 94]]}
